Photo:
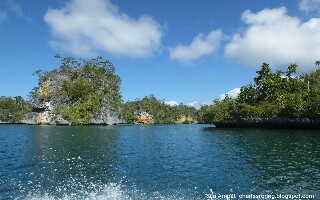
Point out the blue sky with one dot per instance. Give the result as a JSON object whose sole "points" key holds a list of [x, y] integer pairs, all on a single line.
{"points": [[181, 51]]}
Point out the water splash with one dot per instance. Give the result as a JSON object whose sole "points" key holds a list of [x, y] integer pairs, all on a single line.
{"points": [[110, 191]]}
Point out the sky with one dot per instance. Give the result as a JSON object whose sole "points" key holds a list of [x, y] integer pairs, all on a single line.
{"points": [[181, 51]]}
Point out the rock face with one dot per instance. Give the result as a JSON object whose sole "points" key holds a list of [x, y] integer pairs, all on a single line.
{"points": [[43, 105], [43, 118], [44, 110], [47, 117], [107, 117], [43, 114], [185, 120], [143, 117], [30, 118]]}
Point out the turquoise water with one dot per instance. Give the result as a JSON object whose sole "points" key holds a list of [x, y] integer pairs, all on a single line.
{"points": [[156, 162]]}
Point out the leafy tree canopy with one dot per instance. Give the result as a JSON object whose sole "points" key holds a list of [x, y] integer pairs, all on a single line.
{"points": [[12, 109], [161, 112], [79, 89], [280, 94]]}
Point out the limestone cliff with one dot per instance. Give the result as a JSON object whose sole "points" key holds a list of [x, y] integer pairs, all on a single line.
{"points": [[142, 117], [44, 115], [185, 120], [84, 92]]}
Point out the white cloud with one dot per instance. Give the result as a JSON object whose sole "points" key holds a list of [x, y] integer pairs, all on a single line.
{"points": [[172, 103], [193, 104], [274, 37], [84, 27], [200, 46], [198, 104], [232, 93], [310, 6]]}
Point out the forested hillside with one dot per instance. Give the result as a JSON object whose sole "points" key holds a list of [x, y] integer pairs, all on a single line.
{"points": [[151, 110], [13, 109], [271, 95]]}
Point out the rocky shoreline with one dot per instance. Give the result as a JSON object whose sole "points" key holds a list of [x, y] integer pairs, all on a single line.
{"points": [[46, 116], [278, 123]]}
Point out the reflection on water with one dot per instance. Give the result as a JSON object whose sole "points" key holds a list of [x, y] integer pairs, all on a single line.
{"points": [[285, 161], [155, 161]]}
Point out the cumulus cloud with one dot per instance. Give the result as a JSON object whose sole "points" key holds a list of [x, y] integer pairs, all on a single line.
{"points": [[84, 27], [198, 104], [194, 104], [200, 46], [274, 37], [309, 6], [232, 93], [171, 103]]}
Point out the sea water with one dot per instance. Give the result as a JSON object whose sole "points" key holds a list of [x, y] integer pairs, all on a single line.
{"points": [[156, 162]]}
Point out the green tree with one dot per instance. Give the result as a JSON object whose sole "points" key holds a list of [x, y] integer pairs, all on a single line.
{"points": [[161, 112], [79, 89], [13, 109], [271, 95]]}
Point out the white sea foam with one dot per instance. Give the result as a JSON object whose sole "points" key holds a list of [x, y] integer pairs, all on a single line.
{"points": [[110, 191]]}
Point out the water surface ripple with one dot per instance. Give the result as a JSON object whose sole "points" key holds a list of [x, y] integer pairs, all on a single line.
{"points": [[155, 162]]}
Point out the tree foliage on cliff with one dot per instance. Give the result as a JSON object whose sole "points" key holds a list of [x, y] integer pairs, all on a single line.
{"points": [[162, 113], [279, 94], [79, 88], [12, 109]]}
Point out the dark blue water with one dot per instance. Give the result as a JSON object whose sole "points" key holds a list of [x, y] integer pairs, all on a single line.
{"points": [[156, 162]]}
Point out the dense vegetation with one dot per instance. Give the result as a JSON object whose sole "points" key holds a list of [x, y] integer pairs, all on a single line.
{"points": [[12, 109], [79, 89], [161, 112], [272, 95]]}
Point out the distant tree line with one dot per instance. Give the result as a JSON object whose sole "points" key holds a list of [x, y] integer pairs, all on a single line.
{"points": [[79, 90], [161, 112], [279, 94], [12, 109]]}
